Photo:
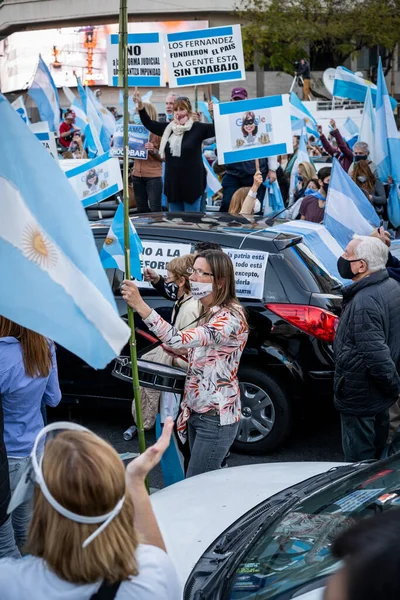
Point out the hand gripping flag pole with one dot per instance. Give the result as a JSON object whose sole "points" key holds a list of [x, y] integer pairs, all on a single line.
{"points": [[123, 82]]}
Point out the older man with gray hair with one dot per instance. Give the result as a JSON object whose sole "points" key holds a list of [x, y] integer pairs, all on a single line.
{"points": [[367, 349], [361, 152]]}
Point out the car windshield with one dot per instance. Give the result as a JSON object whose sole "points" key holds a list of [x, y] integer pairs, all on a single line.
{"points": [[296, 551]]}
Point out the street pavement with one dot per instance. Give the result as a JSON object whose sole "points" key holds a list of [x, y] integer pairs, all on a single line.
{"points": [[312, 440]]}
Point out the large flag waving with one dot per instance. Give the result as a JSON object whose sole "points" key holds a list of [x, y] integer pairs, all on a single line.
{"points": [[96, 142], [347, 210], [387, 138], [367, 127], [112, 254], [53, 279], [44, 92], [349, 85], [106, 117]]}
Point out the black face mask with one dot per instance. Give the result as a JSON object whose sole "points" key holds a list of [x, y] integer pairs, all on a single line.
{"points": [[359, 157], [325, 187], [344, 268], [172, 290]]}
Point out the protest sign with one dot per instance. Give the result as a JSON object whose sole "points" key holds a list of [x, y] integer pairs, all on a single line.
{"points": [[205, 56], [44, 135], [138, 138], [94, 180], [145, 60], [252, 129], [250, 267], [157, 255]]}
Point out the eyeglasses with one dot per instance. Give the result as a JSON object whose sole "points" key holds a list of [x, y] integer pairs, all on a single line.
{"points": [[198, 272]]}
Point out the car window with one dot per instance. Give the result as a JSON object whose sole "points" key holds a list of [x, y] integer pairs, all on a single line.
{"points": [[297, 550], [309, 271]]}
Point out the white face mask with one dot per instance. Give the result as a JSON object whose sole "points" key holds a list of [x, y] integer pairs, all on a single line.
{"points": [[200, 289]]}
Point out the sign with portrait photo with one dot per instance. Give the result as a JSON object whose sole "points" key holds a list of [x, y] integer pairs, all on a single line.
{"points": [[138, 138], [250, 129]]}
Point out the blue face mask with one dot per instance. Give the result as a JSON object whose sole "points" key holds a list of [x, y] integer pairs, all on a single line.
{"points": [[170, 117]]}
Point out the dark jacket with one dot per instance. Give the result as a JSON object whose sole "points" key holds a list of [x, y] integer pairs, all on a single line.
{"points": [[393, 267], [246, 170], [303, 70], [342, 152], [367, 346], [4, 476], [185, 176]]}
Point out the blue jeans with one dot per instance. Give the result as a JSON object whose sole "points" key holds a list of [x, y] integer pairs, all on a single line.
{"points": [[8, 547], [209, 442], [21, 516], [185, 206]]}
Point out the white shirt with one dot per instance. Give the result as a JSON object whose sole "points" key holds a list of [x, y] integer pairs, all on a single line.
{"points": [[30, 577]]}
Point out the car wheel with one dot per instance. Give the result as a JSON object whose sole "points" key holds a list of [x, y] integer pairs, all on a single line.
{"points": [[266, 413]]}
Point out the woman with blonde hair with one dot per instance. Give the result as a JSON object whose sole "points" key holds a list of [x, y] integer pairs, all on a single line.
{"points": [[93, 532], [211, 402], [244, 200], [305, 173], [28, 380], [147, 174], [181, 147]]}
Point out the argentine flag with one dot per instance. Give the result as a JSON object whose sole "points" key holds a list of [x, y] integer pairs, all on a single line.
{"points": [[95, 135], [347, 210], [349, 85], [387, 138], [273, 201], [367, 127], [53, 280], [299, 115], [19, 107], [106, 117], [213, 183], [350, 131], [44, 92], [112, 254]]}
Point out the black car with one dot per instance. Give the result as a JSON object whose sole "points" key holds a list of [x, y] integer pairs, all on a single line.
{"points": [[288, 361]]}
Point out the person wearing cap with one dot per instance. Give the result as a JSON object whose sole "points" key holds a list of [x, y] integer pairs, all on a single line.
{"points": [[67, 129], [241, 174]]}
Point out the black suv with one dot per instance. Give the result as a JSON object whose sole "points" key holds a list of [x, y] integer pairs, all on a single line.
{"points": [[288, 360]]}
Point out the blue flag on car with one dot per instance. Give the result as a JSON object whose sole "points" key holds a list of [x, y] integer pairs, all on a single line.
{"points": [[53, 279], [44, 92], [347, 210], [112, 254]]}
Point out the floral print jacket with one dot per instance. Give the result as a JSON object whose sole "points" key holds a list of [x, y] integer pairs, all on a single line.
{"points": [[214, 351]]}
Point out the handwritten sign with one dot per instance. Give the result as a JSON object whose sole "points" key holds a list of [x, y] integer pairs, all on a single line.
{"points": [[250, 267]]}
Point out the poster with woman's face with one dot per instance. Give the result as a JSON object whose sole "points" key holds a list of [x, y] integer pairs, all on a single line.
{"points": [[252, 128]]}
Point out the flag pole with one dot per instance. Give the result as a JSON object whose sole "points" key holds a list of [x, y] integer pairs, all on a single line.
{"points": [[123, 82]]}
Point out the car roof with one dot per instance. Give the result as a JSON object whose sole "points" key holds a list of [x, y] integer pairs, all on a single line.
{"points": [[217, 224]]}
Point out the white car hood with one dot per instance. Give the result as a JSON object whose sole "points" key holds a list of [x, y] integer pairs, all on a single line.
{"points": [[193, 513]]}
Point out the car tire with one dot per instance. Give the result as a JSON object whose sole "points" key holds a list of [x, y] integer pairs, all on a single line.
{"points": [[266, 413]]}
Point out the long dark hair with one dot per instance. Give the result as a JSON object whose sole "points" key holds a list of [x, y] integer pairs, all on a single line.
{"points": [[36, 352], [224, 288], [249, 115]]}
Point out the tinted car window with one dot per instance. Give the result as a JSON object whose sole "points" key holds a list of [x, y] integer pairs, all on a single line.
{"points": [[310, 273], [297, 549]]}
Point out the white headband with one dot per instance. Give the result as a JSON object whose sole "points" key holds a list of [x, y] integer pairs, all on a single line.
{"points": [[104, 519]]}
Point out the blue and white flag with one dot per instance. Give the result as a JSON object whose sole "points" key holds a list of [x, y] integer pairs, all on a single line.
{"points": [[105, 115], [387, 138], [349, 85], [94, 180], [350, 131], [213, 183], [299, 115], [319, 241], [81, 120], [96, 141], [347, 210], [19, 107], [273, 201], [302, 157], [393, 205], [44, 92], [131, 104], [112, 254], [367, 127], [48, 253]]}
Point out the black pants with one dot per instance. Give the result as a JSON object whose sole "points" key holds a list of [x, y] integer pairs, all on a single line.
{"points": [[148, 191], [364, 438]]}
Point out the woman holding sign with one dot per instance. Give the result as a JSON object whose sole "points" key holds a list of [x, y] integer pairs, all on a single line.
{"points": [[185, 176], [211, 403]]}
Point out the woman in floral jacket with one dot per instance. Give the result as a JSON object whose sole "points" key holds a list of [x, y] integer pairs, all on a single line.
{"points": [[211, 403]]}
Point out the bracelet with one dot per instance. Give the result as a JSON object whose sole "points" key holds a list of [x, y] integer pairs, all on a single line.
{"points": [[252, 194]]}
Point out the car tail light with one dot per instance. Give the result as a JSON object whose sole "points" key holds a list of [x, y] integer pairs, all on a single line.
{"points": [[315, 321]]}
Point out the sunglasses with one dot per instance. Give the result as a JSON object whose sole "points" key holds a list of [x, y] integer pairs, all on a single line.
{"points": [[248, 122]]}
